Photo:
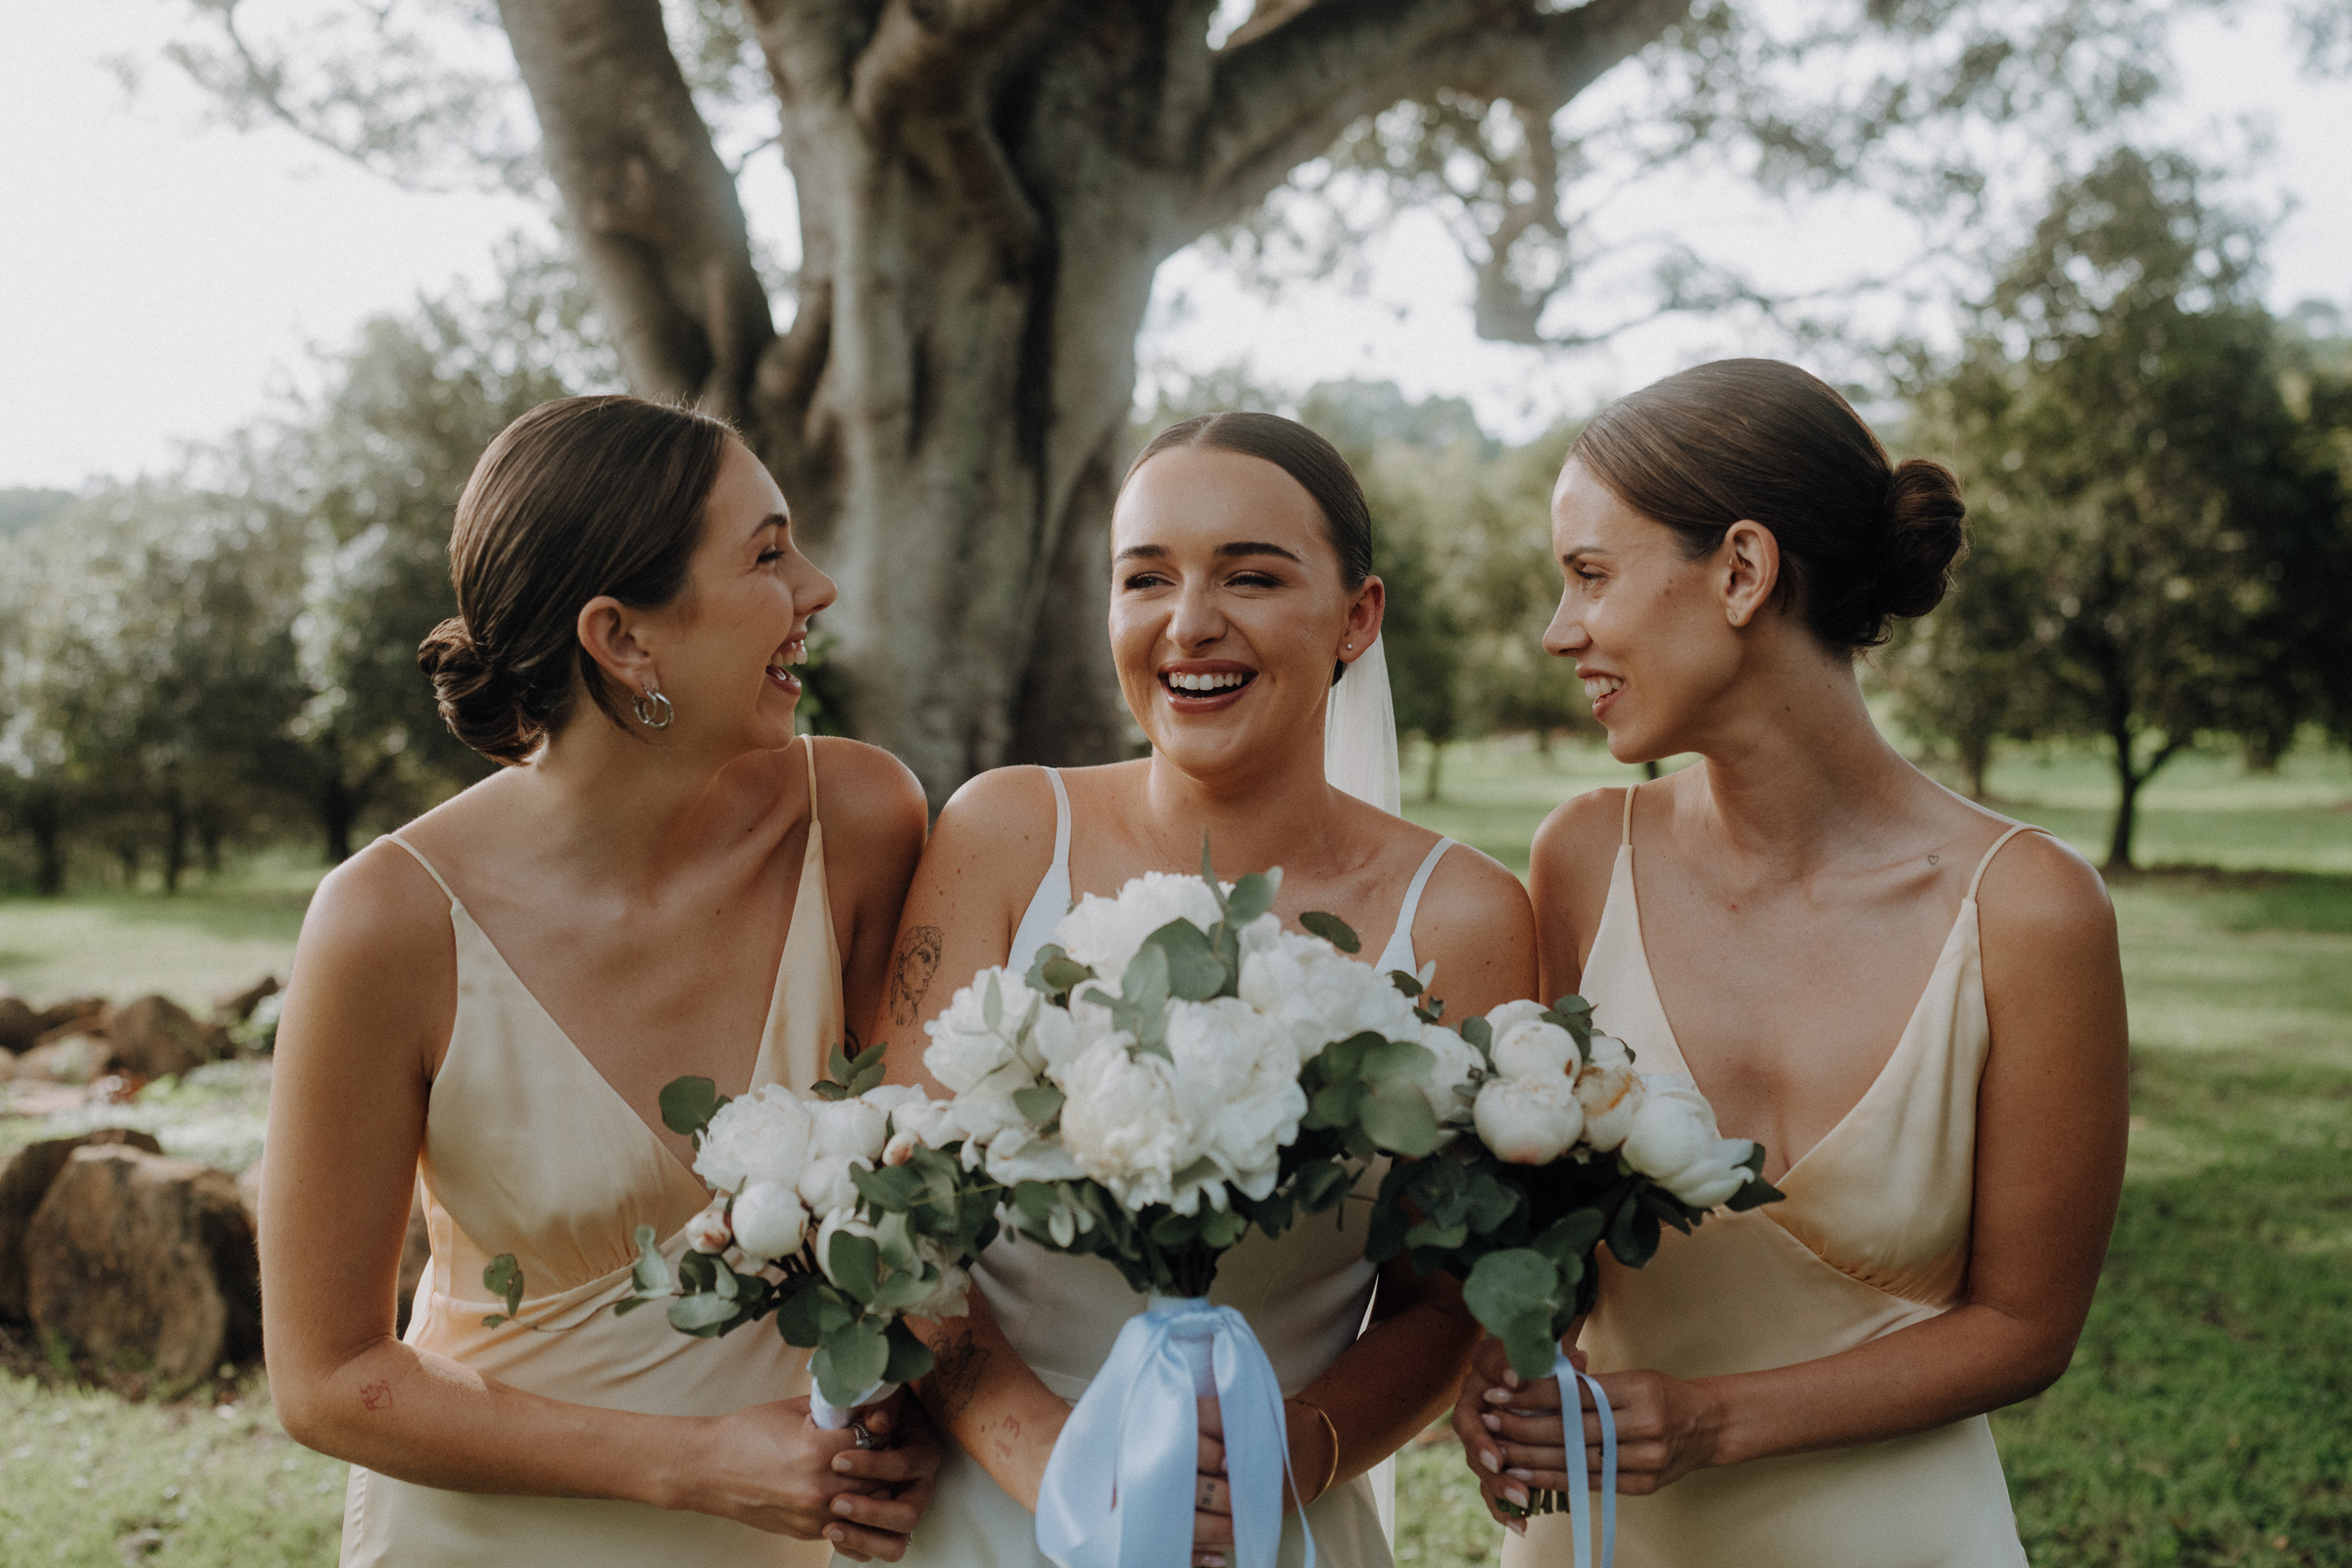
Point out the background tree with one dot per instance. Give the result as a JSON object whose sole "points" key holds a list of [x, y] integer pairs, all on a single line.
{"points": [[986, 188], [2161, 538]]}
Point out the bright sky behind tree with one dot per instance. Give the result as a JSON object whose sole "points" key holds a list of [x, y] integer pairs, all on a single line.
{"points": [[161, 275]]}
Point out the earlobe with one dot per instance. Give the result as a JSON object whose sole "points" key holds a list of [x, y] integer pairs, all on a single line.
{"points": [[1752, 561]]}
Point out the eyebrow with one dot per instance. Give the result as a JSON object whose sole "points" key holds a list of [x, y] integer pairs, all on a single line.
{"points": [[1239, 548], [774, 519]]}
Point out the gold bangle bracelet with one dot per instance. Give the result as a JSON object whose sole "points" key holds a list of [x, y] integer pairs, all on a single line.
{"points": [[1332, 1430]]}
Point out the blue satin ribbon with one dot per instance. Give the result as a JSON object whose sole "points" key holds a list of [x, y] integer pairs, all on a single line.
{"points": [[1118, 1490], [1580, 1500]]}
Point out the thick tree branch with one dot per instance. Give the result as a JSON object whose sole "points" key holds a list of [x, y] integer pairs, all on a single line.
{"points": [[653, 210], [1283, 97]]}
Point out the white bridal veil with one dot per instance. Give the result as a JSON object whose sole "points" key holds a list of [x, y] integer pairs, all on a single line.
{"points": [[1359, 733]]}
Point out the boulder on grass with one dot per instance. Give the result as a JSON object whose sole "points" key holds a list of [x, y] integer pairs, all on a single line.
{"points": [[57, 1015], [155, 1037], [20, 1025], [66, 1059], [24, 1180], [236, 1007], [146, 1265]]}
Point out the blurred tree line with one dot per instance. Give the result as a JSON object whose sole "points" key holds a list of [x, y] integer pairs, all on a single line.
{"points": [[2156, 467]]}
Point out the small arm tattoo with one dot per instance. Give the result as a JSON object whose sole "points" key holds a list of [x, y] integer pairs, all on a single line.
{"points": [[956, 1361], [911, 969], [376, 1397]]}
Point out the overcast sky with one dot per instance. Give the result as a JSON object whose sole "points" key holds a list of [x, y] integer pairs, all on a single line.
{"points": [[160, 276]]}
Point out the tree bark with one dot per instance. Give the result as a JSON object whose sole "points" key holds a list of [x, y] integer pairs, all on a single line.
{"points": [[985, 188], [337, 811], [45, 819]]}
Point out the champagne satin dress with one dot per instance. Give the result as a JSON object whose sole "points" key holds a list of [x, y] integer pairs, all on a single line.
{"points": [[1873, 1237], [529, 1151], [1305, 1293]]}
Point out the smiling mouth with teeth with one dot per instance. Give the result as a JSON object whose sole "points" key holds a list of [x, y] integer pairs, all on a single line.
{"points": [[1597, 687], [794, 652], [1205, 685]]}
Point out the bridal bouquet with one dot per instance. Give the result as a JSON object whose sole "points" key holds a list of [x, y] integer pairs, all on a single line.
{"points": [[1176, 1071], [838, 1211], [1556, 1145]]}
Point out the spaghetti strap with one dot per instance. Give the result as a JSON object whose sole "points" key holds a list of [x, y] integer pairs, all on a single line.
{"points": [[1061, 829], [1399, 954], [429, 869], [2022, 827], [1625, 835], [808, 744]]}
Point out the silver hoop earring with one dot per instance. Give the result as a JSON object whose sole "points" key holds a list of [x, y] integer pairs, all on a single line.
{"points": [[653, 709]]}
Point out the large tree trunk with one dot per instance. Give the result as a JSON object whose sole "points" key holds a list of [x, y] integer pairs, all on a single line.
{"points": [[45, 819], [986, 189]]}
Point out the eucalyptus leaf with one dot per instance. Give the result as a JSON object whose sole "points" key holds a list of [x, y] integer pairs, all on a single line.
{"points": [[1194, 971], [1251, 897], [1400, 1121], [1040, 1102], [796, 1317], [1506, 1284], [853, 1263], [1332, 930], [1061, 974], [689, 1104], [992, 1004], [909, 1358], [504, 1280], [850, 1360], [651, 1275], [701, 1315]]}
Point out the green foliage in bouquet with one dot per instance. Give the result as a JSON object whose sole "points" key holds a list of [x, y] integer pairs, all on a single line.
{"points": [[1524, 1239], [1362, 1093], [846, 1308]]}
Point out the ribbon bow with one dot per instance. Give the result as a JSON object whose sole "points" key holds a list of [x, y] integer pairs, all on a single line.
{"points": [[1118, 1488], [1580, 1503]]}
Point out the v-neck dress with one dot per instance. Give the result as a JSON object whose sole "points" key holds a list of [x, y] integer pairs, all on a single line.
{"points": [[529, 1151], [1873, 1237]]}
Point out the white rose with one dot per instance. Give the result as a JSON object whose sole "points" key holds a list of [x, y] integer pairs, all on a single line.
{"points": [[1536, 1050], [1610, 1095], [770, 1221], [1237, 1079], [760, 1136], [1456, 1061], [1123, 1124], [709, 1230], [1675, 1142], [1104, 934], [1318, 993], [1528, 1121]]}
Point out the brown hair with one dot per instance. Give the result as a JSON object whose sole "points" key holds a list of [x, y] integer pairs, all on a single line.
{"points": [[1298, 452], [578, 498], [1864, 540]]}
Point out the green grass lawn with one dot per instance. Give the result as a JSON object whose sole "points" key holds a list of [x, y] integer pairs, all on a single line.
{"points": [[2208, 1415]]}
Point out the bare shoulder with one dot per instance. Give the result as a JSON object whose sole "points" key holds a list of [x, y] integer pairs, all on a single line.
{"points": [[1576, 845], [2040, 895], [998, 829], [1469, 882], [382, 906], [867, 795]]}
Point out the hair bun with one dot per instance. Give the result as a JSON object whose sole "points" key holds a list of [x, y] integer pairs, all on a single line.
{"points": [[1926, 531], [477, 699]]}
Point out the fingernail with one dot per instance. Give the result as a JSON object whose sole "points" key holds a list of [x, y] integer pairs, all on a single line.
{"points": [[1510, 1376], [1518, 1527], [1523, 1475], [1494, 1423], [1517, 1494], [836, 1535], [841, 1464], [1498, 1396], [1491, 1459]]}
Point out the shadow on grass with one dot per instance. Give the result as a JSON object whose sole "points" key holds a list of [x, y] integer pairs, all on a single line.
{"points": [[2251, 901]]}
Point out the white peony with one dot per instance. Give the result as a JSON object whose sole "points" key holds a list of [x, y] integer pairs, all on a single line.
{"points": [[759, 1135], [1528, 1121], [1674, 1140], [985, 1067], [1511, 1014], [1456, 1061], [1237, 1081], [1610, 1090], [709, 1230], [1022, 1155], [1318, 993], [1104, 934], [849, 1129], [1536, 1050], [770, 1221], [1125, 1126]]}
